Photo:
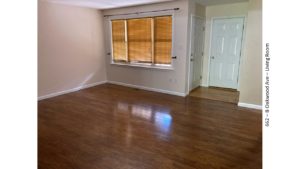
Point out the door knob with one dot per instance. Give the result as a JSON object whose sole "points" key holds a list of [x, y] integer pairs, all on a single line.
{"points": [[192, 59], [212, 57]]}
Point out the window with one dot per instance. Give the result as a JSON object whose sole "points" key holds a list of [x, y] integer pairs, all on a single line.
{"points": [[142, 40]]}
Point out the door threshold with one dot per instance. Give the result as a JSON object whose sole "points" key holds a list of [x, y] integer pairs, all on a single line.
{"points": [[223, 88]]}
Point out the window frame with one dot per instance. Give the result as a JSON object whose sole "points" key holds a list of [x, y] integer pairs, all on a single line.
{"points": [[143, 65]]}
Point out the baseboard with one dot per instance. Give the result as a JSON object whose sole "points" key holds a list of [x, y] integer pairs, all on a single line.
{"points": [[204, 85], [71, 90], [148, 88], [252, 106]]}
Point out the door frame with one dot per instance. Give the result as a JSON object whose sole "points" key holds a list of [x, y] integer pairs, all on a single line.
{"points": [[242, 45], [190, 48]]}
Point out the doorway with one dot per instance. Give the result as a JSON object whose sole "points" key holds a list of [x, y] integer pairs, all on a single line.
{"points": [[225, 53], [196, 51]]}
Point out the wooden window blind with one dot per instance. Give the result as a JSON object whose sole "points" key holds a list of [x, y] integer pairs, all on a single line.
{"points": [[142, 40], [139, 40], [119, 40], [163, 39]]}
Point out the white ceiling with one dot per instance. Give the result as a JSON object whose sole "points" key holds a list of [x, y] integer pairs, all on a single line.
{"points": [[106, 4], [218, 2]]}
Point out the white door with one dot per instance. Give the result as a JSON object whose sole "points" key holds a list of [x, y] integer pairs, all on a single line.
{"points": [[196, 54], [225, 52]]}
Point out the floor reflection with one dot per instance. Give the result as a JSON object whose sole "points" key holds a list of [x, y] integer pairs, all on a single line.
{"points": [[163, 121], [122, 107], [160, 116], [142, 111]]}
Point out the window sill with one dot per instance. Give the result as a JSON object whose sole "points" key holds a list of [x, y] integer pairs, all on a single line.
{"points": [[142, 65]]}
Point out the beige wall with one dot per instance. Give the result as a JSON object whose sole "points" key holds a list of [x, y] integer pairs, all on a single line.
{"points": [[200, 10], [70, 47], [172, 81], [236, 9], [251, 66], [196, 9]]}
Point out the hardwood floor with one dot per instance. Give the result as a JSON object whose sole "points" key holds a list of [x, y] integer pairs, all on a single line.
{"points": [[114, 127], [218, 94]]}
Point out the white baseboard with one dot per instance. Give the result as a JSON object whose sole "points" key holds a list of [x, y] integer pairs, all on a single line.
{"points": [[148, 88], [204, 85], [71, 90], [252, 106]]}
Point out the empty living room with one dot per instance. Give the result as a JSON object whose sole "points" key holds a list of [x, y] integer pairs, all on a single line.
{"points": [[115, 80], [151, 84]]}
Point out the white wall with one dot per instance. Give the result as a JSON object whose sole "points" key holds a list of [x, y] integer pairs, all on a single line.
{"points": [[251, 67], [173, 81], [70, 47]]}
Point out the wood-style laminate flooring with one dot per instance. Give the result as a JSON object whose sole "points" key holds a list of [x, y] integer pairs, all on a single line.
{"points": [[114, 127], [218, 94]]}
